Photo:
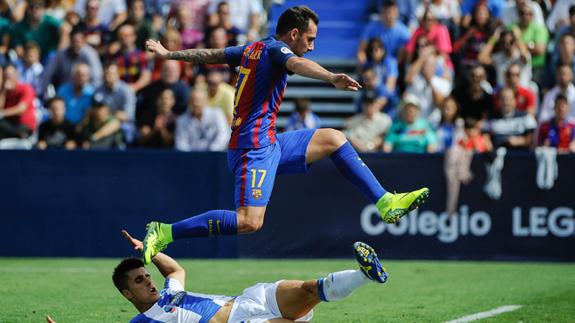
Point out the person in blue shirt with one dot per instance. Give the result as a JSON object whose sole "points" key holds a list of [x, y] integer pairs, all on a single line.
{"points": [[256, 153], [302, 117], [282, 301], [392, 33]]}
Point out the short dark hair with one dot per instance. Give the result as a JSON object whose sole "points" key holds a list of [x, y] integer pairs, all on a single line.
{"points": [[296, 17], [51, 101], [120, 276], [571, 11], [561, 98]]}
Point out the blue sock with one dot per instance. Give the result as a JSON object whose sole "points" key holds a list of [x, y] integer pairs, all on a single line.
{"points": [[209, 224], [355, 170]]}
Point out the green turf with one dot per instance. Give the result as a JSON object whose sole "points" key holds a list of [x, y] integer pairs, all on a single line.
{"points": [[81, 290]]}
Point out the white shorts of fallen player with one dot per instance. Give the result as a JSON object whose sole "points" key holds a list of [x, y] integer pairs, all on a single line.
{"points": [[258, 304]]}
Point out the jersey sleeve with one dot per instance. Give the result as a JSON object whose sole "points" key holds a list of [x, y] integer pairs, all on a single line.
{"points": [[233, 55], [279, 53], [172, 286]]}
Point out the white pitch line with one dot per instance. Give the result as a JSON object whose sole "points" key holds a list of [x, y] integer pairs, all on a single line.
{"points": [[482, 315]]}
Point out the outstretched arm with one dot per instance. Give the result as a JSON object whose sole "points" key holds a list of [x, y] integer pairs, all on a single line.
{"points": [[196, 56], [168, 267], [308, 68]]}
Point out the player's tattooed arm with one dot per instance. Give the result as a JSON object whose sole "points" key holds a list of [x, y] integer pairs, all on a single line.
{"points": [[199, 56], [196, 56]]}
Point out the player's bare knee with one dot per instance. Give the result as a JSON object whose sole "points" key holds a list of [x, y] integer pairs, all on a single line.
{"points": [[335, 139], [249, 224]]}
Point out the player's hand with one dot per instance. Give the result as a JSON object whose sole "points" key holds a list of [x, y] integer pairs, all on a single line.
{"points": [[157, 48], [344, 82], [49, 319], [137, 244]]}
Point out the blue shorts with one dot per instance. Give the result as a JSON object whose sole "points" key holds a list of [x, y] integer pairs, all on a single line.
{"points": [[255, 169]]}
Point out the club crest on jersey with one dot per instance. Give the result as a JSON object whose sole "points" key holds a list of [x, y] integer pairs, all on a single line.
{"points": [[257, 193], [177, 300], [286, 50]]}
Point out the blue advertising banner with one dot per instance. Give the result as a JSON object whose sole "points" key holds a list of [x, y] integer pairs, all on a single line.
{"points": [[58, 203]]}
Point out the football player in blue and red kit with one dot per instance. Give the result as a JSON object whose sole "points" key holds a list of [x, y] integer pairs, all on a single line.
{"points": [[256, 153]]}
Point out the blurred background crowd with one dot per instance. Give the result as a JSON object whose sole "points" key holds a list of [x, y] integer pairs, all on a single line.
{"points": [[435, 73]]}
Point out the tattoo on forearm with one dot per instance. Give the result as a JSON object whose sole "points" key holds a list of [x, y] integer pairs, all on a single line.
{"points": [[199, 56]]}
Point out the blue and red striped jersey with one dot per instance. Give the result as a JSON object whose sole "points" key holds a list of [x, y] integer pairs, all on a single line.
{"points": [[259, 91]]}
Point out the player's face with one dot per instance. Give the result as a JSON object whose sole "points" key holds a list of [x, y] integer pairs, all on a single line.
{"points": [[304, 42], [141, 288]]}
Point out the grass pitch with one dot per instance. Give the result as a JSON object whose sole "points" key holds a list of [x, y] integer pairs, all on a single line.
{"points": [[81, 290]]}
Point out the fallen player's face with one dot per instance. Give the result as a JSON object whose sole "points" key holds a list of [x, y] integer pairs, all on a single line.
{"points": [[142, 287], [305, 42]]}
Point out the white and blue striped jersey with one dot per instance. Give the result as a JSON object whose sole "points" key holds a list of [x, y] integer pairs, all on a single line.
{"points": [[178, 306]]}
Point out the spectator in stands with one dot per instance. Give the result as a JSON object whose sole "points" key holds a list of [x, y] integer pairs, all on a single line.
{"points": [[17, 113], [119, 98], [188, 21], [567, 29], [44, 30], [77, 94], [246, 16], [446, 12], [410, 133], [29, 68], [384, 66], [56, 132], [423, 48], [474, 37], [143, 26], [365, 131], [225, 21], [302, 117], [202, 128], [393, 33], [565, 88], [406, 10], [157, 130], [510, 12], [510, 127], [449, 124], [112, 13], [511, 51], [59, 69], [170, 78], [429, 88], [525, 99], [172, 40], [102, 130], [474, 139], [435, 32], [216, 39], [559, 15], [132, 62], [96, 32], [374, 88], [535, 36], [559, 131], [564, 55], [474, 101], [494, 7], [220, 94]]}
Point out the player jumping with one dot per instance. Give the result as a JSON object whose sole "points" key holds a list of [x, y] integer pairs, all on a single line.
{"points": [[255, 151]]}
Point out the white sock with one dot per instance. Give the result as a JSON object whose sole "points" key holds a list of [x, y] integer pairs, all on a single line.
{"points": [[341, 284]]}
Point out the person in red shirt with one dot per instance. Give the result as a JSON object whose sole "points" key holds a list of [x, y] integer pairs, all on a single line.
{"points": [[524, 97], [17, 117], [559, 131]]}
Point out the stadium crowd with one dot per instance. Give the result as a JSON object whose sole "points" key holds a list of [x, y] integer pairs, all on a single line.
{"points": [[479, 74]]}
